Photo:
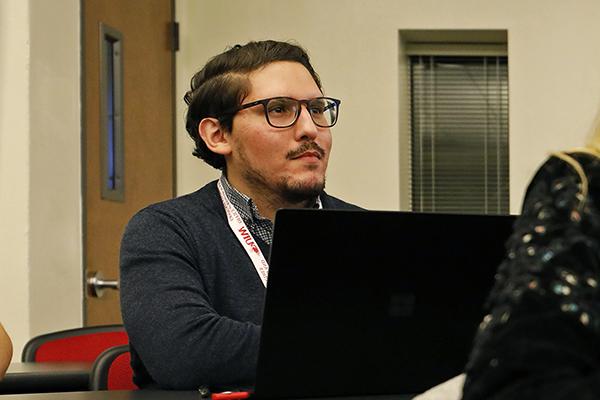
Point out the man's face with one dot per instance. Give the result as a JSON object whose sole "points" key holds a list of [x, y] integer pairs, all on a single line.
{"points": [[286, 163]]}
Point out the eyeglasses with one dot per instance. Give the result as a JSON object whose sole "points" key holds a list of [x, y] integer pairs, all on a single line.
{"points": [[283, 112]]}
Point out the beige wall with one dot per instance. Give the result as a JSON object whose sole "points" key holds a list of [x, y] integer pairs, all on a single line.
{"points": [[554, 67], [40, 207], [55, 166], [14, 169]]}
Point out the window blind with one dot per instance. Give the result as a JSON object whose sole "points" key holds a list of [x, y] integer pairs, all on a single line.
{"points": [[459, 134]]}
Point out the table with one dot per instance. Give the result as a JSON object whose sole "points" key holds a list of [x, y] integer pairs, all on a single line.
{"points": [[150, 395], [38, 377], [109, 395]]}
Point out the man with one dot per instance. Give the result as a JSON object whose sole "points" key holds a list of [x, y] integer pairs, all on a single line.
{"points": [[193, 269]]}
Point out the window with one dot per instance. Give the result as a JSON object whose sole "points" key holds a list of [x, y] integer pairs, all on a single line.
{"points": [[111, 114], [459, 134]]}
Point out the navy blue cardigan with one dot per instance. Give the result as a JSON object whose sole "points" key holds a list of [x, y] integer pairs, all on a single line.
{"points": [[190, 297]]}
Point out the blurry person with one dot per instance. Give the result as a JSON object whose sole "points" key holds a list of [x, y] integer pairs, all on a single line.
{"points": [[6, 351], [541, 338]]}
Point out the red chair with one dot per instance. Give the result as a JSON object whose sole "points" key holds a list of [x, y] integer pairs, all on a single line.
{"points": [[79, 344], [112, 370]]}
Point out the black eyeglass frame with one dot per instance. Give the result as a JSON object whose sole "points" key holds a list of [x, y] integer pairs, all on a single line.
{"points": [[264, 103]]}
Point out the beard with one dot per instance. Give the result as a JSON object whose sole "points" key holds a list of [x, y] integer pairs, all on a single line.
{"points": [[287, 189]]}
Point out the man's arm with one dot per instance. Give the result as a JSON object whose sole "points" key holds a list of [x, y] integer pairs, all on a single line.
{"points": [[6, 351], [183, 342]]}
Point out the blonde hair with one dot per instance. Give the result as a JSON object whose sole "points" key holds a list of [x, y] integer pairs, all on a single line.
{"points": [[594, 140], [592, 148]]}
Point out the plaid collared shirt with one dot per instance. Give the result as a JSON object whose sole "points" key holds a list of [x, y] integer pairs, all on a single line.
{"points": [[257, 224]]}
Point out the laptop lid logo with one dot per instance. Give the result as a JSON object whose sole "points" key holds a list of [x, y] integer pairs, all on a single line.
{"points": [[401, 305]]}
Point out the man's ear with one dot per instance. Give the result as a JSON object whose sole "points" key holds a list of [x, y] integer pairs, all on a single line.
{"points": [[214, 136]]}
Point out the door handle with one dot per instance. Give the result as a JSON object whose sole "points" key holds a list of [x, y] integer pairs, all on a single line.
{"points": [[96, 284]]}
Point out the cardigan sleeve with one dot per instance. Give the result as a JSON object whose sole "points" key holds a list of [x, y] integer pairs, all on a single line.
{"points": [[541, 338], [173, 327]]}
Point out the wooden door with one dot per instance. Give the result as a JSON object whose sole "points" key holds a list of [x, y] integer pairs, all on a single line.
{"points": [[128, 155]]}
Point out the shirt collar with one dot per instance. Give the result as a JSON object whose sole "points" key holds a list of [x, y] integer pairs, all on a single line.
{"points": [[244, 204]]}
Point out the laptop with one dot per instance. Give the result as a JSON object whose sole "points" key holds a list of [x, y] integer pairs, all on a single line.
{"points": [[373, 302]]}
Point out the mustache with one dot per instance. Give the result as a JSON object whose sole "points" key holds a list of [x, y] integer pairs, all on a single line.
{"points": [[304, 147]]}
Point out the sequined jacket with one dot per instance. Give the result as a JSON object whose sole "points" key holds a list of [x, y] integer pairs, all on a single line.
{"points": [[541, 338]]}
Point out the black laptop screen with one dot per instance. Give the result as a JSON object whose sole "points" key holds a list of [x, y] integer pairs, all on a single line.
{"points": [[364, 302]]}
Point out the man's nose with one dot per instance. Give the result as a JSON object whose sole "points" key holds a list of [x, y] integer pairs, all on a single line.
{"points": [[305, 126]]}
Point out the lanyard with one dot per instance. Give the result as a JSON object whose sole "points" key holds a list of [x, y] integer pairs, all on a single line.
{"points": [[242, 233]]}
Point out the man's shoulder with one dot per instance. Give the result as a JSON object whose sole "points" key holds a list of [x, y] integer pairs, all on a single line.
{"points": [[331, 202], [195, 216], [203, 202]]}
